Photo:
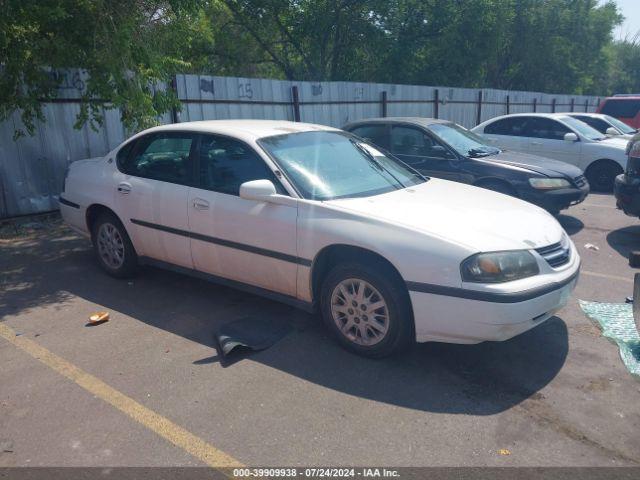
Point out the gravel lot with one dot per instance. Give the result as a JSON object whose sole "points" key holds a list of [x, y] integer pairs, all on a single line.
{"points": [[555, 396]]}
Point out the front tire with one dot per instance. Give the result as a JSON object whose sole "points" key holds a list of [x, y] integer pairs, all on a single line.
{"points": [[112, 247], [602, 174], [367, 309]]}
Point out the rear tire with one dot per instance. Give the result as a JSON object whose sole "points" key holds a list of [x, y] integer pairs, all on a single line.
{"points": [[367, 309], [601, 175], [112, 246]]}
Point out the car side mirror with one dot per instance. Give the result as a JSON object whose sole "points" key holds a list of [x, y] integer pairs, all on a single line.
{"points": [[258, 190], [265, 191], [611, 131], [570, 137]]}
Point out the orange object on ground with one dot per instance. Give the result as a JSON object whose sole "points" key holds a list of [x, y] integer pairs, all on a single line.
{"points": [[99, 317]]}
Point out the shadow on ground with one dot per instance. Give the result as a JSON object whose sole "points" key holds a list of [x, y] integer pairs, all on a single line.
{"points": [[625, 240], [571, 224], [481, 379]]}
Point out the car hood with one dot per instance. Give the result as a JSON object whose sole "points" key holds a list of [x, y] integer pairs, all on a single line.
{"points": [[541, 165], [624, 136], [618, 142], [478, 219]]}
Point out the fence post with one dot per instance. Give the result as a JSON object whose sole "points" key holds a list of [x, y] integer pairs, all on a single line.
{"points": [[175, 118], [586, 105], [384, 103], [535, 105], [436, 103], [508, 106], [573, 103], [296, 103], [479, 117], [553, 106]]}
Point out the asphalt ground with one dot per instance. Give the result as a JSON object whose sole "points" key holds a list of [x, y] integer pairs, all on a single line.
{"points": [[148, 389]]}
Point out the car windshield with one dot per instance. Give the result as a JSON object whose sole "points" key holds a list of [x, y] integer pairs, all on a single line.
{"points": [[623, 127], [327, 165], [583, 129], [462, 140]]}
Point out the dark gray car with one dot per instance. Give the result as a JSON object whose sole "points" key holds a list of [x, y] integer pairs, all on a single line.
{"points": [[443, 149]]}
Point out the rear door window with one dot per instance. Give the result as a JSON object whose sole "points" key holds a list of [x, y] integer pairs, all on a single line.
{"points": [[162, 156], [621, 108]]}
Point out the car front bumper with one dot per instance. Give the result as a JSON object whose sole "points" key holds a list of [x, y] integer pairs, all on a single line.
{"points": [[448, 318], [555, 200], [627, 192]]}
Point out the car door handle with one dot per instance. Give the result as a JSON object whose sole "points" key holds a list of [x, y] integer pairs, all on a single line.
{"points": [[200, 204], [536, 143], [124, 188]]}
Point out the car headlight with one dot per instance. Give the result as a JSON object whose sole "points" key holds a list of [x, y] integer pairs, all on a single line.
{"points": [[498, 267], [549, 183]]}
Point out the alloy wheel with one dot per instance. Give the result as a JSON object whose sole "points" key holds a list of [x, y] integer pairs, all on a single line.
{"points": [[360, 312], [110, 246]]}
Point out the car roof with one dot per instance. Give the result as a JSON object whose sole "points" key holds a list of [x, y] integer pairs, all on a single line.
{"points": [[248, 130], [420, 121], [558, 115], [585, 114], [624, 96]]}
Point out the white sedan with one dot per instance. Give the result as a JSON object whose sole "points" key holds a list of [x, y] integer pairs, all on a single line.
{"points": [[320, 219], [606, 124], [561, 137]]}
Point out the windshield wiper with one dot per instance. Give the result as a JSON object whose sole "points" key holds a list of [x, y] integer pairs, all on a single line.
{"points": [[367, 154], [478, 152]]}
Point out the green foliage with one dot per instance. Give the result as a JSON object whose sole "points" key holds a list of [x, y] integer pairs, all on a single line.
{"points": [[624, 76], [129, 50], [551, 45]]}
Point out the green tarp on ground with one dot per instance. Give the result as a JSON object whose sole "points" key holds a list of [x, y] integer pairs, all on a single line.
{"points": [[616, 322]]}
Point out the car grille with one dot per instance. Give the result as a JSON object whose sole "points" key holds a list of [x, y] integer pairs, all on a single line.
{"points": [[580, 181], [556, 255]]}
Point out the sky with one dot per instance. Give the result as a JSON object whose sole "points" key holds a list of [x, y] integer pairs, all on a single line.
{"points": [[631, 10]]}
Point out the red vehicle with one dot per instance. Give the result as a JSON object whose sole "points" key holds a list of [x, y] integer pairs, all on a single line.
{"points": [[623, 107]]}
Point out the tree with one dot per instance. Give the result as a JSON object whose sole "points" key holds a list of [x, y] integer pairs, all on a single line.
{"points": [[128, 48]]}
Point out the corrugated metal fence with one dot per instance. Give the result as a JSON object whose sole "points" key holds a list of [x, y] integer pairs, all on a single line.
{"points": [[32, 167]]}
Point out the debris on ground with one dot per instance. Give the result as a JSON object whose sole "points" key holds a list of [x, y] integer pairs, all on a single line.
{"points": [[504, 451], [617, 324], [98, 318], [591, 246], [6, 446], [250, 332]]}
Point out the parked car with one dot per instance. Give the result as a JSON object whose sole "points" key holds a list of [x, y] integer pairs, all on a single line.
{"points": [[627, 186], [605, 124], [320, 219], [443, 149], [561, 137], [622, 107]]}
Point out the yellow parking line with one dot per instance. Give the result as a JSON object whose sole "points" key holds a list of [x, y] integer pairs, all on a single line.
{"points": [[141, 414], [604, 275]]}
